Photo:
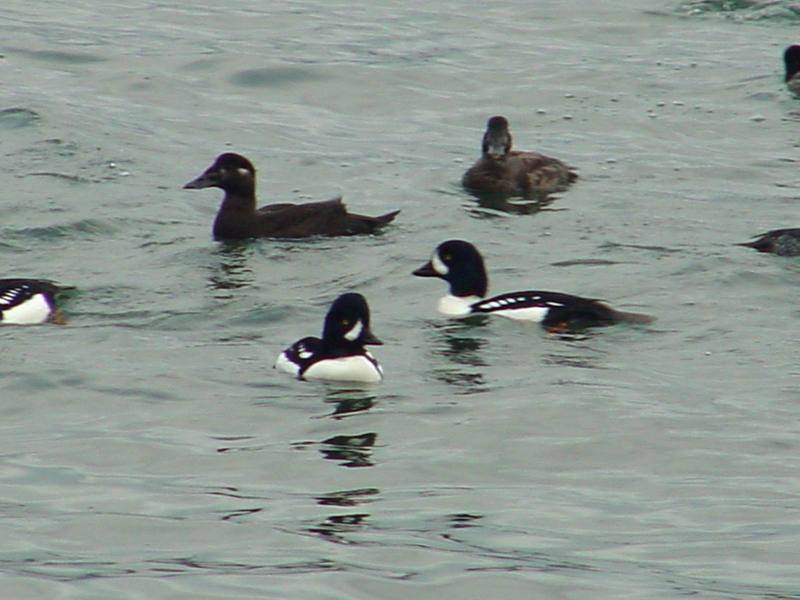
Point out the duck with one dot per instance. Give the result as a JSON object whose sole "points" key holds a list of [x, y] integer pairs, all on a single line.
{"points": [[791, 60], [340, 354], [238, 218], [783, 242], [29, 302], [461, 265], [506, 172]]}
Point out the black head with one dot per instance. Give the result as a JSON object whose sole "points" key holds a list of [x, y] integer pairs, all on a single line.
{"points": [[791, 58], [497, 139], [229, 172], [461, 265], [347, 322]]}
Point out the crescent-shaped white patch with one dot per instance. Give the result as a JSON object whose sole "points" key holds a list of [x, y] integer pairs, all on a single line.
{"points": [[354, 332], [438, 265]]}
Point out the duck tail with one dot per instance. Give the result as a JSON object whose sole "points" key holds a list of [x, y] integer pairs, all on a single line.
{"points": [[387, 218], [632, 317], [762, 244], [366, 224]]}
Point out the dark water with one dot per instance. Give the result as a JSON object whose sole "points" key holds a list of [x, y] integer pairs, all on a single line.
{"points": [[150, 451]]}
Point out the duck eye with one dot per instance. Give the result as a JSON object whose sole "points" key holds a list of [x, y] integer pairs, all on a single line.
{"points": [[346, 322], [447, 258]]}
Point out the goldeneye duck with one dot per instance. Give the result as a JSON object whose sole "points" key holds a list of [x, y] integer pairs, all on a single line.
{"points": [[783, 242], [791, 59], [239, 219], [461, 265], [502, 171], [29, 302], [340, 354]]}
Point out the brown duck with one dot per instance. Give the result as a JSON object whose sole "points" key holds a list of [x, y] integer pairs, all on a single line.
{"points": [[507, 172]]}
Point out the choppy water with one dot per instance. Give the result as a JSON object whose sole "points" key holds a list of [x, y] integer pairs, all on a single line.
{"points": [[148, 450]]}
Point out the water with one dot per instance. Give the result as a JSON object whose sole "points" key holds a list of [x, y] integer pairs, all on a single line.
{"points": [[150, 451]]}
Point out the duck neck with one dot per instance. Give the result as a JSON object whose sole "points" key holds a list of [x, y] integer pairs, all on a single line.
{"points": [[240, 197], [471, 282]]}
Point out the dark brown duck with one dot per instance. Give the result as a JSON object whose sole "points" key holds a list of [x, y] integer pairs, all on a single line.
{"points": [[238, 218]]}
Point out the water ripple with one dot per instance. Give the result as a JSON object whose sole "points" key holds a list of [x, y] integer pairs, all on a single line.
{"points": [[13, 118]]}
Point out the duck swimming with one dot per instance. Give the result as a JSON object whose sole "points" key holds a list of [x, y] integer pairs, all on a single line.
{"points": [[340, 354], [503, 171], [238, 218], [461, 265]]}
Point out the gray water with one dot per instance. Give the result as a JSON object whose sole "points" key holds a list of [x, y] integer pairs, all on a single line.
{"points": [[148, 449]]}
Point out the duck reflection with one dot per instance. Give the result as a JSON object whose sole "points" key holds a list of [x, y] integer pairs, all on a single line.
{"points": [[350, 450], [463, 520], [334, 527], [457, 342], [527, 205], [348, 401], [348, 498], [574, 353], [232, 271]]}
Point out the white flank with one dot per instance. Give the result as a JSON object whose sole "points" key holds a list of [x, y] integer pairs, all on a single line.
{"points": [[456, 306], [353, 334], [533, 313], [32, 311], [287, 366], [349, 368], [438, 265]]}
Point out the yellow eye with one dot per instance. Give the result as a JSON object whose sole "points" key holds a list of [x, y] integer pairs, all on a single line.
{"points": [[447, 258], [345, 322]]}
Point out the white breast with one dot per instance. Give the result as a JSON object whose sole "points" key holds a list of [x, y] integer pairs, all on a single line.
{"points": [[32, 311], [285, 365], [349, 368], [456, 306]]}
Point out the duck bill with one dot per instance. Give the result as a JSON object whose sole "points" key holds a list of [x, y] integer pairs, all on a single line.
{"points": [[369, 338], [204, 181], [496, 142], [426, 270], [496, 150]]}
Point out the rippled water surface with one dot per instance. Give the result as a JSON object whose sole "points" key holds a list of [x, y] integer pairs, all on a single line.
{"points": [[148, 450]]}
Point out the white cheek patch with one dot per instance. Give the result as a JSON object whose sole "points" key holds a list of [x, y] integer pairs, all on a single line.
{"points": [[438, 265], [32, 311], [243, 171], [354, 332]]}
